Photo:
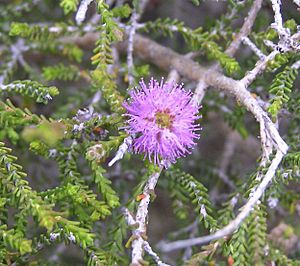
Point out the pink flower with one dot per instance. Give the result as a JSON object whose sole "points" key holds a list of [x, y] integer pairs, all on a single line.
{"points": [[162, 119]]}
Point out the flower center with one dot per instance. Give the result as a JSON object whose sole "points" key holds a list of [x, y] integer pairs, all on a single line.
{"points": [[163, 119]]}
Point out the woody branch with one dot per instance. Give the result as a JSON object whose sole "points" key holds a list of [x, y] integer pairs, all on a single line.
{"points": [[167, 59]]}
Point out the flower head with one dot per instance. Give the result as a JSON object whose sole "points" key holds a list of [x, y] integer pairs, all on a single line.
{"points": [[162, 117]]}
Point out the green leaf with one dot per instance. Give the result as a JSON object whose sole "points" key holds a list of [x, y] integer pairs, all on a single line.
{"points": [[123, 11], [281, 88], [61, 72], [69, 5], [30, 88]]}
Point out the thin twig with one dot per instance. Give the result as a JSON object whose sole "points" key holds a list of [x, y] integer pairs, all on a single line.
{"points": [[278, 24], [234, 224], [296, 65], [141, 218], [156, 258], [132, 30], [81, 13], [122, 150], [173, 76], [17, 49], [246, 28], [132, 222], [258, 69], [128, 217], [96, 98], [232, 48], [200, 92], [188, 252], [135, 16], [228, 152], [186, 229], [254, 48]]}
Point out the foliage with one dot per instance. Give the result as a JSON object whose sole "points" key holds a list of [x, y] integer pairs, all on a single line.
{"points": [[196, 39], [281, 88], [69, 5], [36, 32], [42, 94], [62, 120], [61, 72], [197, 195]]}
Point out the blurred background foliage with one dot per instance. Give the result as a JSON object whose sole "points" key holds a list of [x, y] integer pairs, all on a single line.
{"points": [[61, 122]]}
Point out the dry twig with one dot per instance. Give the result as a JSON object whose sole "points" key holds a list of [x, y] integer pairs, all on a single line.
{"points": [[139, 233]]}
